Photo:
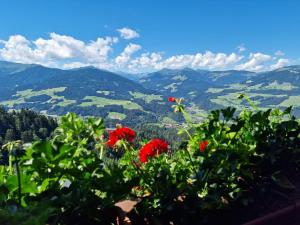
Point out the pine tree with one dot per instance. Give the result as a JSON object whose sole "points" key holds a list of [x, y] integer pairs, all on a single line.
{"points": [[9, 135], [24, 125]]}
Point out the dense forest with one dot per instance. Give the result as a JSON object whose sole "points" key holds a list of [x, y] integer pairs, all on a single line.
{"points": [[28, 126], [149, 131], [24, 125]]}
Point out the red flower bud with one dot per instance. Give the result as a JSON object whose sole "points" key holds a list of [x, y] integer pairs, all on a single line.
{"points": [[203, 145], [171, 99]]}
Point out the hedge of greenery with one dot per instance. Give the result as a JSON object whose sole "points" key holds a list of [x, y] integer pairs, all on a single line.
{"points": [[229, 166]]}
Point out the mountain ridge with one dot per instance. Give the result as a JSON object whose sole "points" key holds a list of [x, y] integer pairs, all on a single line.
{"points": [[96, 92], [86, 91]]}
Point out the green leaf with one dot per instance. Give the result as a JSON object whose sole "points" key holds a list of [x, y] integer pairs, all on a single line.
{"points": [[12, 183], [288, 110], [45, 148], [27, 185], [231, 135]]}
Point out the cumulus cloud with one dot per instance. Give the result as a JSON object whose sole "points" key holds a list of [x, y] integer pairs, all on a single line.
{"points": [[17, 49], [56, 49], [127, 33], [207, 60], [280, 63], [67, 52], [146, 61], [125, 56], [215, 60], [255, 62], [59, 46]]}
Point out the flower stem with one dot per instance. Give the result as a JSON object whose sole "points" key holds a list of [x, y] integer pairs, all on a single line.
{"points": [[19, 179], [190, 123], [101, 152], [10, 164], [187, 117], [193, 165]]}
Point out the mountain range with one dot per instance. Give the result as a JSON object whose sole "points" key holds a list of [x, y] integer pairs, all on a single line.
{"points": [[127, 98]]}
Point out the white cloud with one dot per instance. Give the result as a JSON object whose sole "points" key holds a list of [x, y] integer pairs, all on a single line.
{"points": [[127, 33], [279, 53], [97, 51], [280, 63], [55, 50], [212, 60], [66, 52], [256, 62], [125, 56], [241, 47], [17, 49], [59, 46], [177, 61], [74, 65], [207, 60], [147, 61]]}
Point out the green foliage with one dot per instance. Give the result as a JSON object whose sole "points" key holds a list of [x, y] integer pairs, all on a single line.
{"points": [[148, 131], [35, 214], [251, 156], [229, 161], [67, 169]]}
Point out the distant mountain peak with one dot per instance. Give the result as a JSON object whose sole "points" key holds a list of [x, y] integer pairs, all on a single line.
{"points": [[86, 68], [292, 67], [11, 67]]}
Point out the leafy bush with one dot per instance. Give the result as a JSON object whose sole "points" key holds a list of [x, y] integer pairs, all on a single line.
{"points": [[231, 162]]}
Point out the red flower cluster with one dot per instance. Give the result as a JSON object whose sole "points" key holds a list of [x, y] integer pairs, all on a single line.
{"points": [[203, 145], [152, 149], [171, 99], [121, 133]]}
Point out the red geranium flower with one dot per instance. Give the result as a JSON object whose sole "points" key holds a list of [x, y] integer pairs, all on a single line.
{"points": [[121, 133], [171, 99], [203, 145], [152, 149]]}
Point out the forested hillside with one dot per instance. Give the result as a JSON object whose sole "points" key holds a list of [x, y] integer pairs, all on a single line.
{"points": [[24, 125]]}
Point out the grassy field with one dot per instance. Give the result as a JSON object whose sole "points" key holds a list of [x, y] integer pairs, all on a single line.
{"points": [[197, 114], [292, 100], [116, 115], [146, 98], [168, 120], [24, 97], [101, 102], [230, 99], [285, 86]]}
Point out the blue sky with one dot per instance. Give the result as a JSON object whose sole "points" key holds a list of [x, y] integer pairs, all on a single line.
{"points": [[213, 34]]}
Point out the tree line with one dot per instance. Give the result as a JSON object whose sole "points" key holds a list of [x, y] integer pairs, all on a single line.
{"points": [[25, 125]]}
